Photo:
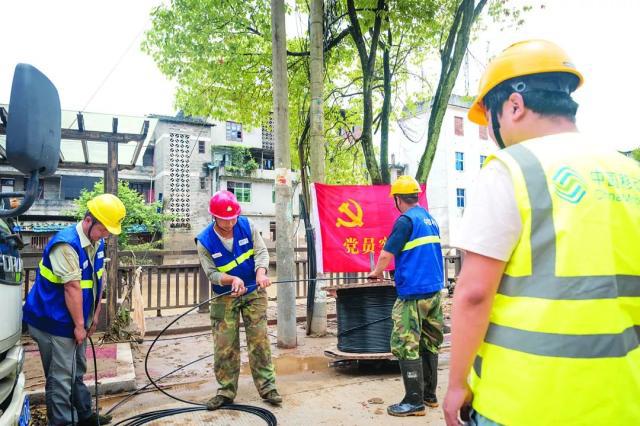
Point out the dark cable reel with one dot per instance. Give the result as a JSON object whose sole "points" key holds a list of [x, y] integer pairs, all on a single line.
{"points": [[364, 319]]}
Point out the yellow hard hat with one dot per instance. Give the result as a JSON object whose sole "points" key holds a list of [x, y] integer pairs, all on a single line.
{"points": [[109, 211], [523, 58], [405, 185]]}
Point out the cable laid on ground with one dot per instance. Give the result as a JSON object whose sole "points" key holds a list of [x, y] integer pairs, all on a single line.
{"points": [[266, 415], [150, 416]]}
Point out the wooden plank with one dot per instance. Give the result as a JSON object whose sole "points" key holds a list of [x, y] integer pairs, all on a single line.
{"points": [[94, 135], [168, 287], [149, 270], [111, 186], [335, 353], [177, 286], [136, 153], [186, 286], [158, 291]]}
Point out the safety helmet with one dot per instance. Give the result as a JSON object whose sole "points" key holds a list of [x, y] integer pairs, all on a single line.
{"points": [[405, 185], [224, 205], [520, 59], [109, 211]]}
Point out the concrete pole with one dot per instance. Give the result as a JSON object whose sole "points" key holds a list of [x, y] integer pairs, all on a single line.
{"points": [[284, 192], [316, 149]]}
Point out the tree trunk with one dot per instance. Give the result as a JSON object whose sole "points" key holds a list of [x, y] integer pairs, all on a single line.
{"points": [[318, 323], [367, 63], [286, 330], [386, 111], [451, 59]]}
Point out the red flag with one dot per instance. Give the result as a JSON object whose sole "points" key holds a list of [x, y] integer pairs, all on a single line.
{"points": [[351, 222]]}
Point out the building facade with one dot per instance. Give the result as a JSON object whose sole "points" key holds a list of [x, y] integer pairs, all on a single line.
{"points": [[462, 148], [183, 161], [193, 158]]}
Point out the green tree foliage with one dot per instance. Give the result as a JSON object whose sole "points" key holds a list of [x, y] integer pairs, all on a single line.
{"points": [[219, 53], [138, 212], [241, 161], [635, 154]]}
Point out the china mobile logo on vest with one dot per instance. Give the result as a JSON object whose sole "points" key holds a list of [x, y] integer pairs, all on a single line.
{"points": [[569, 185]]}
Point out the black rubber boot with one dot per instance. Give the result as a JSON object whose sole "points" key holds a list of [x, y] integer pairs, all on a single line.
{"points": [[411, 404], [430, 374]]}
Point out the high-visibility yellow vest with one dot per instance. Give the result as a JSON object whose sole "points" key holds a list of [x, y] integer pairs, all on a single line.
{"points": [[562, 345]]}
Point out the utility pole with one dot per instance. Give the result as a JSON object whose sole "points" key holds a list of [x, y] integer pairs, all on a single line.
{"points": [[284, 192], [316, 149], [111, 187]]}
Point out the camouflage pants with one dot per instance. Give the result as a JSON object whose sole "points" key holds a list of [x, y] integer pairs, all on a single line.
{"points": [[417, 327], [225, 321]]}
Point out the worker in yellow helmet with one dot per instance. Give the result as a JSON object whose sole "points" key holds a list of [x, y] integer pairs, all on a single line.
{"points": [[416, 335], [546, 312], [63, 307]]}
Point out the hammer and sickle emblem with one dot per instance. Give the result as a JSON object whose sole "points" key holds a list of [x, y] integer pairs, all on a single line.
{"points": [[355, 217]]}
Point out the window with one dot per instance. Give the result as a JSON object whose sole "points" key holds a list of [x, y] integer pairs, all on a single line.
{"points": [[7, 185], [71, 186], [272, 230], [458, 126], [267, 163], [234, 131], [242, 190], [39, 241], [482, 159], [201, 147], [203, 183], [482, 132], [140, 188], [460, 197], [460, 161]]}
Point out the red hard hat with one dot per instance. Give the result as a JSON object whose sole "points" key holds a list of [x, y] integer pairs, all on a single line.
{"points": [[224, 205]]}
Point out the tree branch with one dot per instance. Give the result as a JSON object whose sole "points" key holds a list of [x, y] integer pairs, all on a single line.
{"points": [[356, 33], [376, 36], [332, 43]]}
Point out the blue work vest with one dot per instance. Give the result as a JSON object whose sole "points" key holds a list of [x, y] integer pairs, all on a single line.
{"points": [[419, 266], [45, 306], [239, 263]]}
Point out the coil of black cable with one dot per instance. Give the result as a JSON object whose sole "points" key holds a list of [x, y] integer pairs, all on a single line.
{"points": [[364, 319]]}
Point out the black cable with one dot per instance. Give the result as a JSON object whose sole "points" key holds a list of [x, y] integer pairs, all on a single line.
{"points": [[73, 380], [144, 418], [146, 358], [137, 391], [95, 378], [265, 414], [364, 319]]}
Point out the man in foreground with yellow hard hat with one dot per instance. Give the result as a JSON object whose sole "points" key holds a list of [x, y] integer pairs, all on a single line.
{"points": [[63, 307], [417, 313], [546, 313]]}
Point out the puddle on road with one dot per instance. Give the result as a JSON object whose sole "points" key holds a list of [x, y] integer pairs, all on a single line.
{"points": [[293, 365]]}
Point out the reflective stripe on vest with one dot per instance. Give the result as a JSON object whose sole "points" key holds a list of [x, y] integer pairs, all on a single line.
{"points": [[421, 241], [237, 261], [48, 274], [555, 341]]}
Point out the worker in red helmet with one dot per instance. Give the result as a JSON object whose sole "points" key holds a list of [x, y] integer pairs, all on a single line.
{"points": [[235, 259]]}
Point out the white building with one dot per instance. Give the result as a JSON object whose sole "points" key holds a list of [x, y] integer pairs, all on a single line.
{"points": [[462, 147], [193, 158]]}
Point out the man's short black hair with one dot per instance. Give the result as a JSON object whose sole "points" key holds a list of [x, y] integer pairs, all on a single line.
{"points": [[548, 94], [408, 198]]}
